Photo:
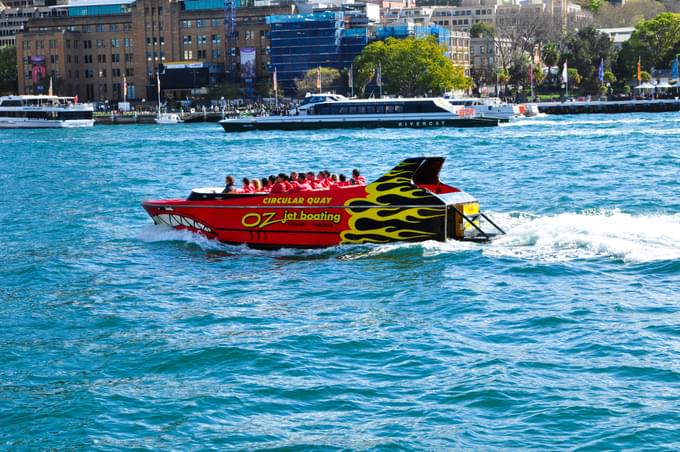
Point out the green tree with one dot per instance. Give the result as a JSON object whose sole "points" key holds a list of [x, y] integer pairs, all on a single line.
{"points": [[609, 77], [8, 70], [574, 77], [584, 50], [655, 42], [410, 67], [482, 30], [330, 80]]}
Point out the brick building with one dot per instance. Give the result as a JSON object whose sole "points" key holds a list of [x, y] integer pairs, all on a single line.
{"points": [[99, 45]]}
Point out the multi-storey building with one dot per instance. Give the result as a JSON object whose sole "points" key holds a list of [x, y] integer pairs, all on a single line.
{"points": [[97, 48], [304, 41], [15, 13]]}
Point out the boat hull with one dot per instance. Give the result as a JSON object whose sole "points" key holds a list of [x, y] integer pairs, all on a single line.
{"points": [[391, 209], [315, 123], [20, 123]]}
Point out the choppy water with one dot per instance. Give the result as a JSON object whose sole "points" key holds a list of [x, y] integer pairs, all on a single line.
{"points": [[563, 334]]}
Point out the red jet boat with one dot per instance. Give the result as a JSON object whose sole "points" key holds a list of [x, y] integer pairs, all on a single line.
{"points": [[408, 203]]}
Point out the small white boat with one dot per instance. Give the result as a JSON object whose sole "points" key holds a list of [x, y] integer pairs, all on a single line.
{"points": [[168, 118], [488, 107], [165, 117]]}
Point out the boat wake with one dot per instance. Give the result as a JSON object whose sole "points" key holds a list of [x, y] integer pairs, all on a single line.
{"points": [[588, 235], [564, 237]]}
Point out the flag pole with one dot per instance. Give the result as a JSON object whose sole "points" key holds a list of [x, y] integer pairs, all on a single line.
{"points": [[351, 79], [276, 91]]}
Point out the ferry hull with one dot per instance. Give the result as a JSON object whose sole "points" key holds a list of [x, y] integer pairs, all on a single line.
{"points": [[284, 123], [45, 124], [407, 204]]}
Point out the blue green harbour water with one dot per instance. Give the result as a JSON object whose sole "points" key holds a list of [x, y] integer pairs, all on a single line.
{"points": [[563, 334]]}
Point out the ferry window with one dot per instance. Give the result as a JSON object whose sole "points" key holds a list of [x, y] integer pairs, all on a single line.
{"points": [[361, 109], [342, 111], [379, 108], [389, 109], [370, 109], [398, 108], [352, 110]]}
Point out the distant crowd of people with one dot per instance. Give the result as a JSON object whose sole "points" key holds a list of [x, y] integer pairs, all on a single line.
{"points": [[295, 182]]}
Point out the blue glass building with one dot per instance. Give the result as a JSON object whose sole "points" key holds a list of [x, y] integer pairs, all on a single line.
{"points": [[301, 42]]}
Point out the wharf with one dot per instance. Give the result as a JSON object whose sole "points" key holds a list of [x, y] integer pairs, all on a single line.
{"points": [[614, 106]]}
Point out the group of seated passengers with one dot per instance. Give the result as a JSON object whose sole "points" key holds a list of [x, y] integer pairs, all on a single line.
{"points": [[296, 182]]}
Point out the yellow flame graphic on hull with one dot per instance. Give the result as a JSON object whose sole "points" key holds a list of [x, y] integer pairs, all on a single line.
{"points": [[377, 218]]}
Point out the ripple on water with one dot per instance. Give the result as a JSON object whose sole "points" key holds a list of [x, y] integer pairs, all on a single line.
{"points": [[562, 334]]}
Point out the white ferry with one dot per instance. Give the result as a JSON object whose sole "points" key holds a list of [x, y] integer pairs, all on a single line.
{"points": [[337, 112], [39, 111]]}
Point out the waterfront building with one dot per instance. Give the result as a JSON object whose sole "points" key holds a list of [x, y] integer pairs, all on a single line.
{"points": [[97, 48]]}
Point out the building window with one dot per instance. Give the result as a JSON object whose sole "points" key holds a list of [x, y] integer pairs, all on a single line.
{"points": [[101, 58], [188, 55], [201, 39], [128, 58], [115, 43], [202, 54], [87, 59], [200, 23], [216, 39], [127, 42], [126, 28], [216, 22], [39, 45], [89, 73], [186, 24], [102, 73], [54, 59], [86, 28], [130, 72], [113, 28], [99, 28], [216, 54], [100, 44], [186, 39], [162, 40], [115, 72], [27, 44], [115, 58]]}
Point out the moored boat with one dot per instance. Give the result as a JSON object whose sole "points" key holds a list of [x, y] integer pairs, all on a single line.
{"points": [[408, 203], [366, 113], [44, 111], [168, 118]]}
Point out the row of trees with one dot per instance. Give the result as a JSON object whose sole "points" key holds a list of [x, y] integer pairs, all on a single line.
{"points": [[655, 43]]}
